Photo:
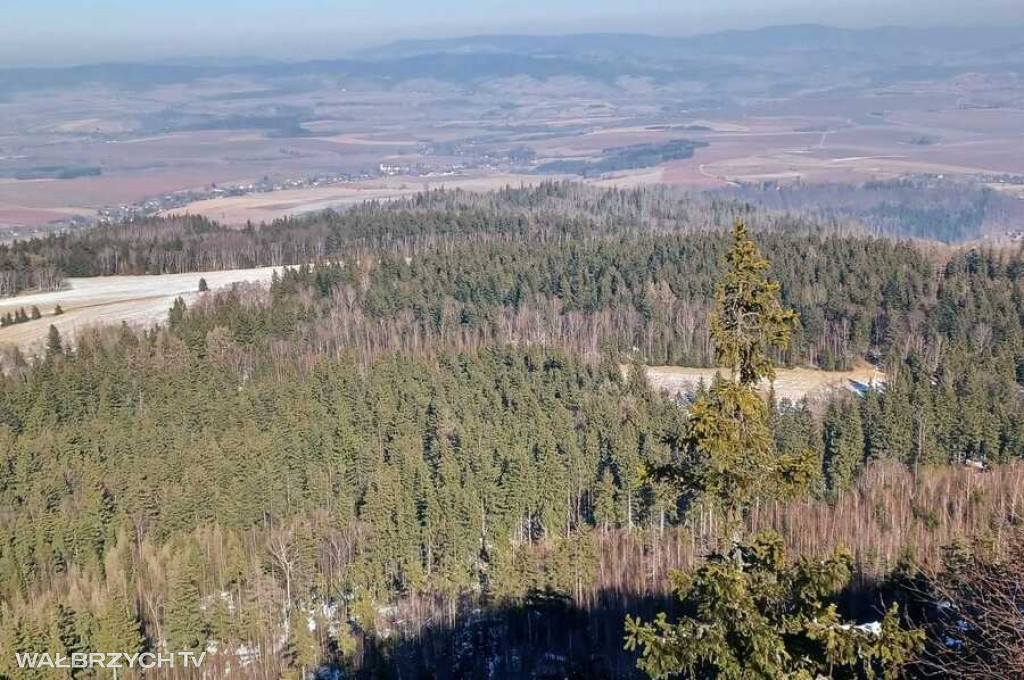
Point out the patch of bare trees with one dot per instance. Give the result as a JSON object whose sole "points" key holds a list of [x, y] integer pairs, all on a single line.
{"points": [[977, 614]]}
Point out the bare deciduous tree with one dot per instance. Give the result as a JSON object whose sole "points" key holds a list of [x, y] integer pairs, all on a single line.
{"points": [[978, 616]]}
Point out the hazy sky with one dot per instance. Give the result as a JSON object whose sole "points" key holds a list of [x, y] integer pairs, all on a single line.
{"points": [[80, 31]]}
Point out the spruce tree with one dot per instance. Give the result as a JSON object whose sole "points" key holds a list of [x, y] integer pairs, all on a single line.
{"points": [[844, 444], [54, 343], [748, 321], [748, 613], [752, 615], [185, 628], [302, 651], [117, 626], [728, 457], [605, 511]]}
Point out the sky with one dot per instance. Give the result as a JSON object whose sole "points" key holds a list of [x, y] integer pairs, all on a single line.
{"points": [[89, 31]]}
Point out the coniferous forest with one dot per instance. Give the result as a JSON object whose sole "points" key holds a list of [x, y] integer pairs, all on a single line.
{"points": [[429, 449]]}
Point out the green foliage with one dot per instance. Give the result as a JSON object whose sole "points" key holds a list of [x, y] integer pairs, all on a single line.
{"points": [[748, 320], [750, 614], [727, 452], [574, 564], [391, 427], [746, 612], [843, 444], [118, 627], [728, 455], [185, 625], [302, 648]]}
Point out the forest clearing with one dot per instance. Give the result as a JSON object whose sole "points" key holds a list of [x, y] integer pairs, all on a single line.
{"points": [[94, 300], [790, 383]]}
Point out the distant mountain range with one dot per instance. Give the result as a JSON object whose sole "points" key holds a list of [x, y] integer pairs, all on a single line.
{"points": [[750, 42], [878, 54]]}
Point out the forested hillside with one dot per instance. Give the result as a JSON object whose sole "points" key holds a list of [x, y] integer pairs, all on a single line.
{"points": [[549, 214], [433, 453]]}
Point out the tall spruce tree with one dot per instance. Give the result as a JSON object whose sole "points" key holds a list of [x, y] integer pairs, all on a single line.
{"points": [[185, 626], [54, 343], [844, 445], [728, 458], [748, 613], [748, 321]]}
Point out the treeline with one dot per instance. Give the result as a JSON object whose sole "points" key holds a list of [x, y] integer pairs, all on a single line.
{"points": [[648, 296], [924, 207], [21, 316], [551, 212], [192, 243], [625, 158]]}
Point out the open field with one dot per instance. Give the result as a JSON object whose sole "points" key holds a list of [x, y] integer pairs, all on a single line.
{"points": [[266, 207], [792, 383], [138, 300]]}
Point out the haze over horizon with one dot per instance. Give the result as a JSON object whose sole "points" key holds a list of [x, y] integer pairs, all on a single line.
{"points": [[64, 32], [447, 339]]}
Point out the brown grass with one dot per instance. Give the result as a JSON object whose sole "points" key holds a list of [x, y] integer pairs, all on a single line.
{"points": [[273, 205], [790, 383]]}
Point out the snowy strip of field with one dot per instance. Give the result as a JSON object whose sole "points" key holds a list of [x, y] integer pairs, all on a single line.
{"points": [[139, 300]]}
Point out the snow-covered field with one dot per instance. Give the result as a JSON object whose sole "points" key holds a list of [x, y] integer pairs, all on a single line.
{"points": [[139, 300]]}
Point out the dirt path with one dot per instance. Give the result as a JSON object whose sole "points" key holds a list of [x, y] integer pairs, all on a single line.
{"points": [[139, 300]]}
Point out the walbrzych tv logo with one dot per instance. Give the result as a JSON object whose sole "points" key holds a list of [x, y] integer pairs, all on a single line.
{"points": [[145, 660]]}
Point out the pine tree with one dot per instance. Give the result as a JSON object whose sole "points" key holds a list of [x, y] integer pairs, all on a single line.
{"points": [[844, 444], [117, 626], [177, 314], [302, 650], [751, 615], [748, 320], [54, 343], [605, 507], [894, 438], [68, 635], [574, 563], [184, 626], [727, 452]]}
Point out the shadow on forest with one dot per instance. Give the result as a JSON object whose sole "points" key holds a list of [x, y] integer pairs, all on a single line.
{"points": [[546, 637]]}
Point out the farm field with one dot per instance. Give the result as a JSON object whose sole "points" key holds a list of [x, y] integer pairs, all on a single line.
{"points": [[104, 147], [137, 300], [266, 207]]}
